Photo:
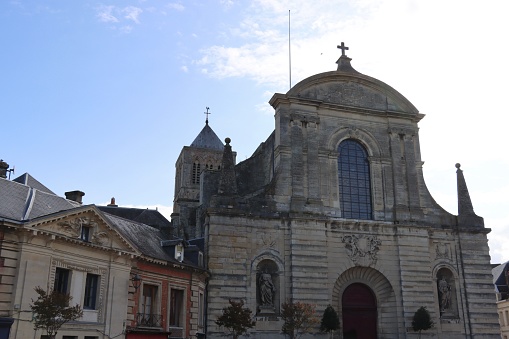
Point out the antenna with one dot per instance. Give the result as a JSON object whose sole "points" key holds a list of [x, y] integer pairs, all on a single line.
{"points": [[289, 51]]}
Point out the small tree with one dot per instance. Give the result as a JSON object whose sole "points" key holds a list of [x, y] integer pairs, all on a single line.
{"points": [[330, 320], [236, 318], [52, 310], [422, 320], [299, 318]]}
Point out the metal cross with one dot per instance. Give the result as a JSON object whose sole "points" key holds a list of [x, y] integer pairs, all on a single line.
{"points": [[207, 120], [343, 48]]}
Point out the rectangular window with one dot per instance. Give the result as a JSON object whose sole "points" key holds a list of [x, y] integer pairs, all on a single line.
{"points": [[62, 280], [148, 299], [176, 308], [91, 285], [85, 233], [148, 307]]}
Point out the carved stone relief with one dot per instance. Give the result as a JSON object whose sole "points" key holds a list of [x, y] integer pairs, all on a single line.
{"points": [[442, 251], [362, 249], [73, 227]]}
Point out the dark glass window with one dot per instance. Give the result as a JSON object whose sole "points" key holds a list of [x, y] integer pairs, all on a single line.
{"points": [[85, 233], [354, 180], [90, 291], [176, 307], [62, 280]]}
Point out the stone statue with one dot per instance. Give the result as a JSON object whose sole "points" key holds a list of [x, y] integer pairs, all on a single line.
{"points": [[444, 291], [267, 289]]}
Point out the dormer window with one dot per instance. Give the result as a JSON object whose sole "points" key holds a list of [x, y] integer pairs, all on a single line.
{"points": [[85, 233], [179, 252]]}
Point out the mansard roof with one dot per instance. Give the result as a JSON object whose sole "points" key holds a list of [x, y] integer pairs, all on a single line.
{"points": [[207, 138], [348, 88]]}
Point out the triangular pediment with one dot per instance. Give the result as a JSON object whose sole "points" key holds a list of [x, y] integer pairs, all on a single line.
{"points": [[85, 226]]}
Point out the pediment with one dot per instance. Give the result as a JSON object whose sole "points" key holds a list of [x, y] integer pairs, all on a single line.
{"points": [[351, 90], [84, 225]]}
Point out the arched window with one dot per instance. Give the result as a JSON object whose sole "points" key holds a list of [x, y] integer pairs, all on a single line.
{"points": [[354, 181]]}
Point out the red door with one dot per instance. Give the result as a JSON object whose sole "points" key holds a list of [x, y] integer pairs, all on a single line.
{"points": [[359, 312]]}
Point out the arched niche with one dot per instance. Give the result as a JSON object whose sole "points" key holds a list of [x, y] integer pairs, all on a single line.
{"points": [[446, 293], [267, 287]]}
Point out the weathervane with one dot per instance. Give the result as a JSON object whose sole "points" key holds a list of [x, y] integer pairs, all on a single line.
{"points": [[207, 120]]}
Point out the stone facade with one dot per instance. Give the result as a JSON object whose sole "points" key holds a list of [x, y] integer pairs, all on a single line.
{"points": [[300, 223]]}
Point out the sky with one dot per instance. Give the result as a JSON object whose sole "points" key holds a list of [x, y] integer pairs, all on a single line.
{"points": [[101, 96]]}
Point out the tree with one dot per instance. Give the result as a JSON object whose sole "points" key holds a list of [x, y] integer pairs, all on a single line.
{"points": [[422, 320], [52, 310], [299, 318], [330, 320], [236, 318]]}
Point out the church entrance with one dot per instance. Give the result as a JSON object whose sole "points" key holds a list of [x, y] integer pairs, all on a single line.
{"points": [[359, 312]]}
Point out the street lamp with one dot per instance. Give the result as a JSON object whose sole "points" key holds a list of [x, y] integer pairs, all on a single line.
{"points": [[136, 280]]}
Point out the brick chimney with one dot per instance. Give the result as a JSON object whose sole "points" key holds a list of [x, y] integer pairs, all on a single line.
{"points": [[75, 196], [112, 203], [3, 169]]}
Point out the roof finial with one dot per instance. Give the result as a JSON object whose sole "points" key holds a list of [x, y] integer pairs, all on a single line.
{"points": [[207, 119], [343, 48]]}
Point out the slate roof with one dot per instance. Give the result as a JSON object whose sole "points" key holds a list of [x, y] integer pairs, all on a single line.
{"points": [[145, 216], [28, 180], [21, 202], [208, 139], [148, 240], [499, 280]]}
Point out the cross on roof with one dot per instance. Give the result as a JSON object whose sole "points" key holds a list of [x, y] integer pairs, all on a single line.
{"points": [[343, 48], [207, 120]]}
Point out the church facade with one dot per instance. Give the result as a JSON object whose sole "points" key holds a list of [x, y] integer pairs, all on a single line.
{"points": [[332, 208]]}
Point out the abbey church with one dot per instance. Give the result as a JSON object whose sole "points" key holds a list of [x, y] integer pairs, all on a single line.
{"points": [[332, 208]]}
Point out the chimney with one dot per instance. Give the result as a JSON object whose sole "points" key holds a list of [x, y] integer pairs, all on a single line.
{"points": [[3, 169], [112, 203], [75, 196]]}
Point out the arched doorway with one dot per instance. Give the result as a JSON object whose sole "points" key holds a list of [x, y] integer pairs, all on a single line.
{"points": [[359, 312]]}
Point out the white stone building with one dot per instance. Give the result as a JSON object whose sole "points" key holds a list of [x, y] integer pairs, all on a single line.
{"points": [[332, 209]]}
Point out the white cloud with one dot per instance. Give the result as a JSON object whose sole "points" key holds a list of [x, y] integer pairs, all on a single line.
{"points": [[184, 68], [132, 13], [104, 13], [176, 6]]}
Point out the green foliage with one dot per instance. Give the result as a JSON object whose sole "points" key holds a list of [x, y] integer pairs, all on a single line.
{"points": [[330, 320], [299, 318], [236, 318], [422, 320], [52, 310]]}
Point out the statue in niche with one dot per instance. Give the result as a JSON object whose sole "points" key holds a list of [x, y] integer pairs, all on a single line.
{"points": [[444, 291], [267, 289]]}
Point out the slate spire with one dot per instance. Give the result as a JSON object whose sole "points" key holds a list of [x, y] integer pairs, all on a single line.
{"points": [[466, 214], [227, 180]]}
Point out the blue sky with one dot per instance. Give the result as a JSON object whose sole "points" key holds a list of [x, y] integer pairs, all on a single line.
{"points": [[101, 96]]}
